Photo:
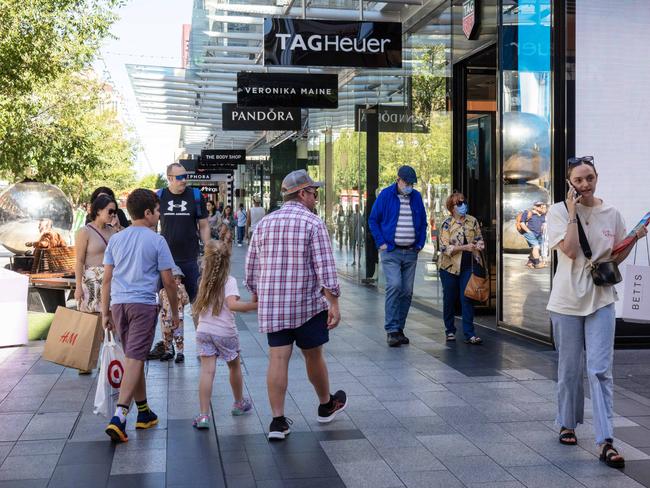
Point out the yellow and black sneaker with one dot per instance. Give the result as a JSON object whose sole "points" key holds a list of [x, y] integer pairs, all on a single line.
{"points": [[146, 419], [116, 430]]}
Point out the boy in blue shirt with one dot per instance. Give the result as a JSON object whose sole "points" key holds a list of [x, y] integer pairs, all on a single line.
{"points": [[134, 260]]}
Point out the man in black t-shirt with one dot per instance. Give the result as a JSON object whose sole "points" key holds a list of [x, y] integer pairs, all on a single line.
{"points": [[183, 218]]}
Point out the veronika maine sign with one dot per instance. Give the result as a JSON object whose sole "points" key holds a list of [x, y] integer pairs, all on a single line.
{"points": [[287, 90], [259, 118], [220, 159], [302, 42]]}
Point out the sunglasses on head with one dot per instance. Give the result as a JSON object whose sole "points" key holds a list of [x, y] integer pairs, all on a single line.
{"points": [[179, 177], [581, 160]]}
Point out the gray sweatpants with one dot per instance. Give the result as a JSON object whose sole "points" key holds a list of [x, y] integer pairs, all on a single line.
{"points": [[573, 336]]}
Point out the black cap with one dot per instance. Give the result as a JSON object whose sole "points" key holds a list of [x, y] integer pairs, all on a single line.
{"points": [[407, 174]]}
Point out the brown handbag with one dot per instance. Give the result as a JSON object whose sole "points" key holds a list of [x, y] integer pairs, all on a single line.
{"points": [[478, 287]]}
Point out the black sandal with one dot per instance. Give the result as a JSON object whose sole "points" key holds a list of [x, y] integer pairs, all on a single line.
{"points": [[567, 437], [607, 453]]}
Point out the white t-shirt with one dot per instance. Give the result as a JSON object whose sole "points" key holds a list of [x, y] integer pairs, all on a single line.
{"points": [[222, 325], [574, 291]]}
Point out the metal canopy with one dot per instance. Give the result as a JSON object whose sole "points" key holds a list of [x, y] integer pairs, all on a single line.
{"points": [[226, 38]]}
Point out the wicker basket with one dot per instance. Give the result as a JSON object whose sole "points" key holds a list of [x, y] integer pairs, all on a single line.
{"points": [[54, 260]]}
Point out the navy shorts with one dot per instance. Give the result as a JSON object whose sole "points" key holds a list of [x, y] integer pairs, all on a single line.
{"points": [[191, 280], [312, 333]]}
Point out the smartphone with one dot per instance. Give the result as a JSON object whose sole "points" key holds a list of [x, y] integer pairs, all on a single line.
{"points": [[575, 190]]}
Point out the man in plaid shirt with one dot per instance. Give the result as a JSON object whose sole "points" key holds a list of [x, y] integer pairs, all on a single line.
{"points": [[291, 269]]}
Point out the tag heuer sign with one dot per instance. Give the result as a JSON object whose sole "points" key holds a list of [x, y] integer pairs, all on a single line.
{"points": [[302, 42], [287, 90], [470, 18], [234, 117], [220, 159]]}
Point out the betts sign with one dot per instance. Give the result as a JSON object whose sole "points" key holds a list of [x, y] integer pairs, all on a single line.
{"points": [[259, 118], [470, 18], [301, 42], [287, 90]]}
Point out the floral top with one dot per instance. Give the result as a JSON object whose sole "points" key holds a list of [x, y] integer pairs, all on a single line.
{"points": [[165, 307], [452, 235]]}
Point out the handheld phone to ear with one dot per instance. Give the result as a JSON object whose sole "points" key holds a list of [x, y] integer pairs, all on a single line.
{"points": [[576, 193]]}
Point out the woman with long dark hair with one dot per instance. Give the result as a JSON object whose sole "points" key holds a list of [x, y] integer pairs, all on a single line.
{"points": [[582, 309]]}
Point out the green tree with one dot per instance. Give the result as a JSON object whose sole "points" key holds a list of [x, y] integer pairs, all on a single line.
{"points": [[153, 181], [41, 40]]}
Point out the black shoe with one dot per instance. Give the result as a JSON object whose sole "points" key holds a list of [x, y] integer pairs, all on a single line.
{"points": [[279, 428], [338, 402], [180, 358], [403, 338], [157, 351], [393, 339], [168, 356]]}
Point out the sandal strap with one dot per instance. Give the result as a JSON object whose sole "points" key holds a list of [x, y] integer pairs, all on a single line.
{"points": [[609, 451]]}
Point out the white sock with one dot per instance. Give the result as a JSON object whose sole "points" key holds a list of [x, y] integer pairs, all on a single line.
{"points": [[121, 412]]}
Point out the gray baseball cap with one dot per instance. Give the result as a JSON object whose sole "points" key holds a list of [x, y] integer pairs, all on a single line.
{"points": [[298, 180]]}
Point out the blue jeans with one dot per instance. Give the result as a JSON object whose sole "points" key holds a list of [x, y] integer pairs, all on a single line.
{"points": [[453, 289], [532, 239], [240, 234], [573, 336], [399, 269]]}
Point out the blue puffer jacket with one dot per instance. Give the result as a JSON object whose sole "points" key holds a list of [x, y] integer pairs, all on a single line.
{"points": [[385, 213]]}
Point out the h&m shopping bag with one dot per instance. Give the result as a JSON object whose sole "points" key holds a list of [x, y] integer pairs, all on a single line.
{"points": [[74, 339], [636, 299], [111, 371]]}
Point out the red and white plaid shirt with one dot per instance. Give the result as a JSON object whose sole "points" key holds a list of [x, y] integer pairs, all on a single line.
{"points": [[289, 263]]}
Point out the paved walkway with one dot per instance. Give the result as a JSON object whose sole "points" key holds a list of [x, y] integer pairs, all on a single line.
{"points": [[424, 415]]}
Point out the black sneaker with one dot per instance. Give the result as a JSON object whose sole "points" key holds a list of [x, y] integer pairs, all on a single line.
{"points": [[338, 402], [403, 338], [393, 339], [279, 428], [168, 356], [180, 358], [157, 351]]}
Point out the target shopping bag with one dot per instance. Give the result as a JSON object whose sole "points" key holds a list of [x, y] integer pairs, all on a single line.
{"points": [[110, 375]]}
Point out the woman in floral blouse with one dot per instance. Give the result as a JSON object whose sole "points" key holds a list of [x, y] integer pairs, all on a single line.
{"points": [[460, 244]]}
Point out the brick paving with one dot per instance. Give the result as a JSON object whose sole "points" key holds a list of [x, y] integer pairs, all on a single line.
{"points": [[426, 415]]}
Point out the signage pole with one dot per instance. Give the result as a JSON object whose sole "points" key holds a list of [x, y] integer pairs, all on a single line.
{"points": [[360, 9], [304, 9], [372, 184]]}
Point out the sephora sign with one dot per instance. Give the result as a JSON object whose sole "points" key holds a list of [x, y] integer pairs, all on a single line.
{"points": [[259, 118], [301, 42]]}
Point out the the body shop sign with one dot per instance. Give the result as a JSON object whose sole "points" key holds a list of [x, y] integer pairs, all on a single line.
{"points": [[301, 42], [220, 159], [287, 90], [259, 118]]}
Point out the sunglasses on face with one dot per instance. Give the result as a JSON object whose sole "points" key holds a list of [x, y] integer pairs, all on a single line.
{"points": [[179, 177], [461, 203], [313, 192], [112, 211], [581, 160]]}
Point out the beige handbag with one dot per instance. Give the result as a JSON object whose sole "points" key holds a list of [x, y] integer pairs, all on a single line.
{"points": [[478, 287]]}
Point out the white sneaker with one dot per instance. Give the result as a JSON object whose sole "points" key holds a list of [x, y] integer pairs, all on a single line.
{"points": [[239, 245]]}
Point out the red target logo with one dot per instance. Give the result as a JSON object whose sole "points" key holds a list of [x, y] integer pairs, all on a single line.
{"points": [[115, 373]]}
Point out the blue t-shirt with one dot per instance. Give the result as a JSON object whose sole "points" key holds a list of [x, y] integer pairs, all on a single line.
{"points": [[138, 255], [535, 223]]}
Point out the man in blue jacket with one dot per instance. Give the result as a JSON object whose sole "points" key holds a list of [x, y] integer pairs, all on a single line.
{"points": [[398, 224]]}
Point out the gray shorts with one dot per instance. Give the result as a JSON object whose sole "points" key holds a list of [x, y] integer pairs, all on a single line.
{"points": [[226, 348], [135, 324]]}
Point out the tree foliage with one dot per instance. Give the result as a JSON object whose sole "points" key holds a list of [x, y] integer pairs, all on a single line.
{"points": [[53, 123], [153, 181]]}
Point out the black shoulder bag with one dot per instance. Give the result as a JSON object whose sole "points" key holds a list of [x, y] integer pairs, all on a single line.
{"points": [[603, 274]]}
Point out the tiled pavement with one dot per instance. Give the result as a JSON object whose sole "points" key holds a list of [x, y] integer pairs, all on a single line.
{"points": [[426, 415]]}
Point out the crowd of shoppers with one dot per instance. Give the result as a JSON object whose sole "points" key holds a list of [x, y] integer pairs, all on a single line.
{"points": [[118, 275]]}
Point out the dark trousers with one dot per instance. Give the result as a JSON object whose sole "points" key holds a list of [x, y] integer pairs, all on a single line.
{"points": [[191, 281], [453, 289]]}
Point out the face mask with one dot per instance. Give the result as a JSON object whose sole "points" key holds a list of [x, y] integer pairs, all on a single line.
{"points": [[462, 209], [407, 190]]}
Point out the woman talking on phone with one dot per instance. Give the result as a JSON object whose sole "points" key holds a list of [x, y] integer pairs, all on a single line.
{"points": [[581, 304]]}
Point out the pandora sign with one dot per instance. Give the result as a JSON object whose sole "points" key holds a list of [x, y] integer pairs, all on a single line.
{"points": [[301, 42], [259, 118]]}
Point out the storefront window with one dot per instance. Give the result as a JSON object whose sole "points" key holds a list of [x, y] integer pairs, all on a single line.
{"points": [[526, 164]]}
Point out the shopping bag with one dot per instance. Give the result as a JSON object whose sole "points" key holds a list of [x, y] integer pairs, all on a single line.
{"points": [[74, 339], [478, 286], [109, 379], [636, 298]]}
